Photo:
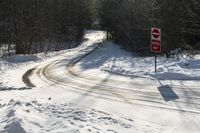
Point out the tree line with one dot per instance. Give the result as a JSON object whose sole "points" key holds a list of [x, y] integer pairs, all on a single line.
{"points": [[129, 22], [42, 25]]}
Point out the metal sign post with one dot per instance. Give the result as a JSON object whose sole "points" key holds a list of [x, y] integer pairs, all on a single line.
{"points": [[156, 43], [155, 63]]}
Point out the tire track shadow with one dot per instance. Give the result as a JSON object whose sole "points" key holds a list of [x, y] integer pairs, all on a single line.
{"points": [[12, 88]]}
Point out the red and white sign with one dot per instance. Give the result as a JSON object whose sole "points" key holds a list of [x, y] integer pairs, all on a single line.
{"points": [[155, 40]]}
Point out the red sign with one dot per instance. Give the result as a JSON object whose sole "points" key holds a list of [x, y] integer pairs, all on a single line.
{"points": [[155, 40], [156, 33], [155, 47]]}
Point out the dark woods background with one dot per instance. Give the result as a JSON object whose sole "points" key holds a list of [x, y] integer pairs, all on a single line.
{"points": [[129, 22], [41, 25], [31, 26]]}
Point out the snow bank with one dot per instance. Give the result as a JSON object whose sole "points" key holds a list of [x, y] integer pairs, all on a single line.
{"points": [[111, 58], [58, 118]]}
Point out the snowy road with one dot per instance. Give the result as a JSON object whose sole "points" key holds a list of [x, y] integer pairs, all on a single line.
{"points": [[110, 103], [60, 72]]}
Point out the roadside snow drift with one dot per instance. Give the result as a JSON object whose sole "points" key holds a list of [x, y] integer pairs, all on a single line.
{"points": [[33, 117], [111, 58]]}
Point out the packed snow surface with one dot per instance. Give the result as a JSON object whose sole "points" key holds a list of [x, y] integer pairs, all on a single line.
{"points": [[107, 91]]}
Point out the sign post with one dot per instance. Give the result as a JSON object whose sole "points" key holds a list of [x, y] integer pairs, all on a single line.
{"points": [[155, 43]]}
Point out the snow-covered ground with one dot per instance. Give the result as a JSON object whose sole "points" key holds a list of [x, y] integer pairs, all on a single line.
{"points": [[111, 58], [13, 68], [109, 90]]}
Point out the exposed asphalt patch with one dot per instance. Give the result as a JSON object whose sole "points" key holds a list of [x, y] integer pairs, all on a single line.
{"points": [[26, 79]]}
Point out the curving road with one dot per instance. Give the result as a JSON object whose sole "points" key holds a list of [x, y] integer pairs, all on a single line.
{"points": [[60, 72]]}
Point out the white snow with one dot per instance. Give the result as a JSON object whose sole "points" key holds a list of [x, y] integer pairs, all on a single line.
{"points": [[21, 117], [96, 100], [111, 58]]}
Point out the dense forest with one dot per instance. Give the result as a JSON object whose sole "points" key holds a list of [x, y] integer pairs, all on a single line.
{"points": [[129, 22], [42, 25]]}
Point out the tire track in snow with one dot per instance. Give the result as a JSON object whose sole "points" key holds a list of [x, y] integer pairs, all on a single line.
{"points": [[107, 93], [87, 86]]}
